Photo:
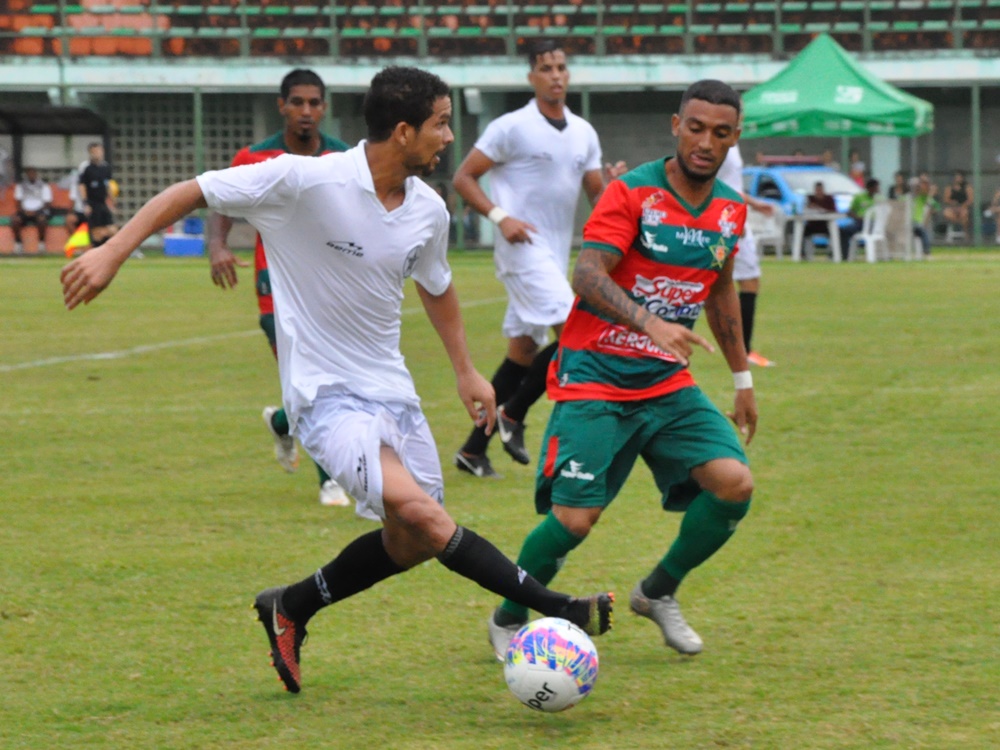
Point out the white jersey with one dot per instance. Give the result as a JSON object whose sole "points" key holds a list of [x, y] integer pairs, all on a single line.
{"points": [[33, 196], [338, 260], [537, 178], [731, 171]]}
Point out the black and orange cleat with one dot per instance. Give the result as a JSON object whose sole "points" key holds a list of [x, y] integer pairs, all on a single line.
{"points": [[284, 634], [593, 614]]}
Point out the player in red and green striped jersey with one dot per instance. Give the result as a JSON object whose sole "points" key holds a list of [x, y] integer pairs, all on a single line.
{"points": [[302, 103], [658, 249]]}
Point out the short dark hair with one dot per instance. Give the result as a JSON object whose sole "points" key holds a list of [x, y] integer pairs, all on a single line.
{"points": [[301, 77], [541, 47], [714, 92], [94, 144], [400, 94], [871, 183]]}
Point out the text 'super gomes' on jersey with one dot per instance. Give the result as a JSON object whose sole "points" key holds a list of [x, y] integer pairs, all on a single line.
{"points": [[269, 148], [671, 255]]}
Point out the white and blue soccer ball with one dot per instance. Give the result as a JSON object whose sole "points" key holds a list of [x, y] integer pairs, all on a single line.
{"points": [[551, 664]]}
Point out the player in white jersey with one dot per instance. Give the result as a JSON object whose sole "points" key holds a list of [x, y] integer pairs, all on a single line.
{"points": [[343, 233], [538, 158], [746, 271]]}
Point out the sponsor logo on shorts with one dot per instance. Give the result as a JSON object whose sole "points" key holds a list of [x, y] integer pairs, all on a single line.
{"points": [[575, 471], [347, 248]]}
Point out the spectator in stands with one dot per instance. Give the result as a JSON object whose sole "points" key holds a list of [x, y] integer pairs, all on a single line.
{"points": [[859, 206], [924, 208], [34, 204], [899, 187], [6, 164], [958, 200], [829, 161]]}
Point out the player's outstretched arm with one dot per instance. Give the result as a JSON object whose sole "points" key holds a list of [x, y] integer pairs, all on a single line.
{"points": [[592, 281], [722, 308], [220, 257], [474, 390], [88, 275]]}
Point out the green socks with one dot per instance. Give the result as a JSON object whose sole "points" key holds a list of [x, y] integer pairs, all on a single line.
{"points": [[279, 421], [542, 555], [707, 525]]}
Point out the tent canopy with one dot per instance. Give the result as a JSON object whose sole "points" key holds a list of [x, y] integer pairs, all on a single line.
{"points": [[826, 92]]}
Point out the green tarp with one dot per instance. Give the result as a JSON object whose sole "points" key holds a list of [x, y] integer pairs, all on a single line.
{"points": [[825, 92]]}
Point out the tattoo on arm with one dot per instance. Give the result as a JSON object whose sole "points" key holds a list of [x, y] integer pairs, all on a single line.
{"points": [[592, 281], [727, 328]]}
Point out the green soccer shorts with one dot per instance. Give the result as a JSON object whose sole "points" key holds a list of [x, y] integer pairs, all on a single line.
{"points": [[589, 448]]}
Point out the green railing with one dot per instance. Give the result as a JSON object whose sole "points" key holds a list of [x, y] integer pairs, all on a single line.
{"points": [[422, 28]]}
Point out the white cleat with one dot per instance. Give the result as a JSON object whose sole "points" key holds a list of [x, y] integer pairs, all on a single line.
{"points": [[332, 493], [666, 613], [284, 445], [500, 637]]}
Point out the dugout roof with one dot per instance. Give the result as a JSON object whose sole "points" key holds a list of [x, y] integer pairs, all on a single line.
{"points": [[826, 92]]}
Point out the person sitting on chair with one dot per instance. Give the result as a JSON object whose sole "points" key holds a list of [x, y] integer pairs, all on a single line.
{"points": [[819, 201], [859, 207], [924, 207], [958, 200], [34, 202]]}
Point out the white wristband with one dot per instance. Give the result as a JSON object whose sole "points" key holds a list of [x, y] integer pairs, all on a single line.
{"points": [[497, 214], [742, 380]]}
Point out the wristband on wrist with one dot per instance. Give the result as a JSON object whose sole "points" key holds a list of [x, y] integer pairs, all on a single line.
{"points": [[497, 214], [742, 380]]}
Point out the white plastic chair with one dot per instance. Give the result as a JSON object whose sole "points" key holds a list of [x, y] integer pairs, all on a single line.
{"points": [[872, 235], [767, 230]]}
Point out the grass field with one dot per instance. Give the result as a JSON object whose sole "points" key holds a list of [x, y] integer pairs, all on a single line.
{"points": [[142, 510]]}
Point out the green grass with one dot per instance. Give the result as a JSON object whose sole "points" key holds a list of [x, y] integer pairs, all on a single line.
{"points": [[142, 510]]}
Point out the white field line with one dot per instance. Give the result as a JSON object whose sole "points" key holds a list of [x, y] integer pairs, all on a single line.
{"points": [[197, 341]]}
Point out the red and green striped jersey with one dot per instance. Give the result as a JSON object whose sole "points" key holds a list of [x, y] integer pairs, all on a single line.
{"points": [[671, 255], [268, 149]]}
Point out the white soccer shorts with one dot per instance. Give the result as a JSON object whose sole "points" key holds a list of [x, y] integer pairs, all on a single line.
{"points": [[537, 299], [344, 434], [747, 263]]}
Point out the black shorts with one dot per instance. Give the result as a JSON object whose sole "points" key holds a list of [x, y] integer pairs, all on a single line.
{"points": [[100, 215], [39, 218]]}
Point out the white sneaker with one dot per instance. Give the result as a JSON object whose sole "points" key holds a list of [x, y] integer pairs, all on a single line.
{"points": [[284, 445], [332, 493], [666, 613], [500, 637]]}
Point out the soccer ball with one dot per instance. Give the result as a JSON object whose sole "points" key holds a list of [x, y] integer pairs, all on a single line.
{"points": [[551, 664]]}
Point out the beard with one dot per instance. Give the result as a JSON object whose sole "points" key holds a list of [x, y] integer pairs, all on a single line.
{"points": [[305, 135], [422, 168], [693, 176]]}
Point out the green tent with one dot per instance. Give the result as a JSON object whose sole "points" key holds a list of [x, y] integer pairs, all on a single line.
{"points": [[825, 92]]}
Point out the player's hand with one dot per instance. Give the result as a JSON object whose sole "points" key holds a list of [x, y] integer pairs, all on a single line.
{"points": [[613, 171], [479, 398], [224, 264], [676, 339], [744, 414], [515, 230], [87, 276], [764, 207]]}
